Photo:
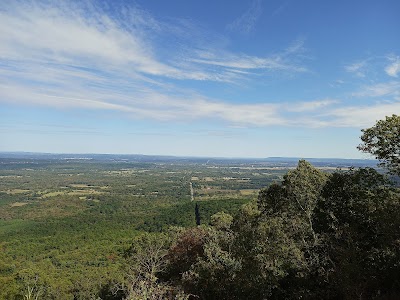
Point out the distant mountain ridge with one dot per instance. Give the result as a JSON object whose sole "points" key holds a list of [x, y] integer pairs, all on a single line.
{"points": [[272, 161]]}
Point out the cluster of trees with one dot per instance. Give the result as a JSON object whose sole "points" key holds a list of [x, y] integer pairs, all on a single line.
{"points": [[312, 236]]}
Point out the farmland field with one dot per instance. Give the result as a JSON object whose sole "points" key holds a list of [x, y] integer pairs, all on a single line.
{"points": [[69, 220]]}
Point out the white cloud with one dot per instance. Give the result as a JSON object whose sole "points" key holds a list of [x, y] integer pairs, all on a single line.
{"points": [[373, 66], [311, 105], [378, 90], [85, 35], [288, 60], [146, 105], [150, 104], [394, 67], [76, 56], [63, 35], [357, 68], [362, 116], [73, 58], [245, 62]]}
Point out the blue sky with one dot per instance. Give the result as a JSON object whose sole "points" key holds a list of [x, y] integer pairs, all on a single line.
{"points": [[197, 78]]}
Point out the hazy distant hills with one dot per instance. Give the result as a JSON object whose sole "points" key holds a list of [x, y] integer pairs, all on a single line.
{"points": [[269, 161]]}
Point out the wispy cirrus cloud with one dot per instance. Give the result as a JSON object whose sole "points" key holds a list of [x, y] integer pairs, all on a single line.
{"points": [[357, 68], [247, 21], [311, 105], [73, 55], [289, 60], [69, 35], [361, 116], [146, 103], [70, 56], [394, 67], [149, 104], [379, 97], [375, 66], [391, 88], [86, 35], [277, 11]]}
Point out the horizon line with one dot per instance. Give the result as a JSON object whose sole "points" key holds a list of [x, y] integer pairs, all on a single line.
{"points": [[184, 156]]}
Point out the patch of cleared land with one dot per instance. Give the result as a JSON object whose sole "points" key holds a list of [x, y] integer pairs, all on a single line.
{"points": [[249, 192], [17, 191], [81, 185], [84, 192], [72, 193], [52, 194], [18, 204]]}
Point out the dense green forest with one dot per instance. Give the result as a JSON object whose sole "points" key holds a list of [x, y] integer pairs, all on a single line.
{"points": [[65, 224], [128, 230]]}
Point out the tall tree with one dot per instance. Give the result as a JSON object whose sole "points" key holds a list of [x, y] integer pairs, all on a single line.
{"points": [[286, 231], [358, 219], [296, 196], [383, 141], [147, 260]]}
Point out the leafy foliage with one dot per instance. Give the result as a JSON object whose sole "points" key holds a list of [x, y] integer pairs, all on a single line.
{"points": [[313, 236], [146, 260], [358, 219], [103, 231], [383, 141]]}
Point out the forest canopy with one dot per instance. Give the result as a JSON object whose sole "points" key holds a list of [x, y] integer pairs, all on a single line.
{"points": [[309, 234]]}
